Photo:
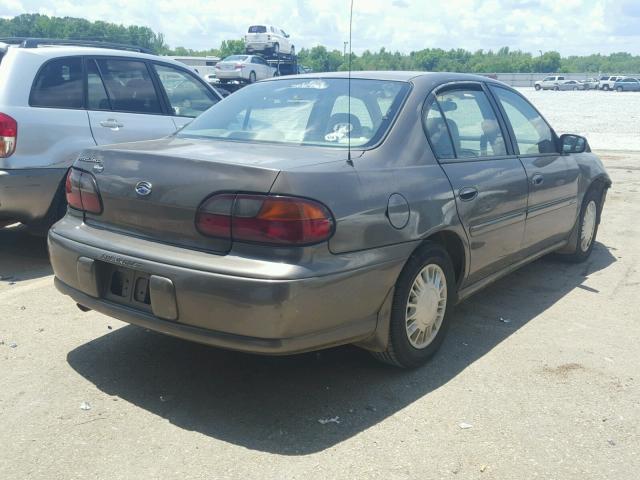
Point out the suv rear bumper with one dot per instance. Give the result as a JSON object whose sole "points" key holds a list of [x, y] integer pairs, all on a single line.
{"points": [[260, 315], [26, 194]]}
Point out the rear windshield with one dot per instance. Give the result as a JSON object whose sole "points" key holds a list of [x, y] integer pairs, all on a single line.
{"points": [[235, 58], [304, 112], [257, 29]]}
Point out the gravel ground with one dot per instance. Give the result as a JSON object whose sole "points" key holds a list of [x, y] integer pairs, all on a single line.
{"points": [[550, 392], [609, 120]]}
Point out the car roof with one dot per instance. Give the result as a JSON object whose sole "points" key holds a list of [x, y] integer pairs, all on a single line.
{"points": [[54, 51], [400, 76]]}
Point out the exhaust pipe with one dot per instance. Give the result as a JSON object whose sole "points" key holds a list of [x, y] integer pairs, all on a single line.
{"points": [[83, 308]]}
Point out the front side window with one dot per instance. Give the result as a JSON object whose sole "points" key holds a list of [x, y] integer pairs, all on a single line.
{"points": [[59, 85], [129, 86], [187, 96], [472, 123], [310, 111], [533, 134]]}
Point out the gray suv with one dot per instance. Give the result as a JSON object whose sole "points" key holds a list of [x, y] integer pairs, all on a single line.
{"points": [[60, 97]]}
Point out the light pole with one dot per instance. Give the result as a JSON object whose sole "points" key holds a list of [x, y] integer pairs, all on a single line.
{"points": [[344, 49]]}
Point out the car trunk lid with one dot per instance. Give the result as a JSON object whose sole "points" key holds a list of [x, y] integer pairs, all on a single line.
{"points": [[179, 174]]}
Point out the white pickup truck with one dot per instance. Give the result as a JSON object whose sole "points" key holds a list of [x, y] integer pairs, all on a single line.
{"points": [[549, 83], [608, 82]]}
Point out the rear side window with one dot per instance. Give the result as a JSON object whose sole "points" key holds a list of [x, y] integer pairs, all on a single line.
{"points": [[97, 98], [257, 29], [533, 134], [129, 86], [59, 85], [472, 123], [438, 133]]}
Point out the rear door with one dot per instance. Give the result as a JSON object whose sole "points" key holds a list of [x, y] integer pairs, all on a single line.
{"points": [[186, 94], [488, 180], [123, 102], [552, 177]]}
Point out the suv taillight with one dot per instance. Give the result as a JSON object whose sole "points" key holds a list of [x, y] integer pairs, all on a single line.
{"points": [[266, 219], [8, 135], [82, 192]]}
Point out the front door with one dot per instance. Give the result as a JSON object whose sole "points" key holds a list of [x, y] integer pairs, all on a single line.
{"points": [[553, 177], [122, 102], [488, 180]]}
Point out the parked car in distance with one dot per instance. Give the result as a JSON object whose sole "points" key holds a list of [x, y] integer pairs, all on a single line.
{"points": [[608, 83], [569, 85], [269, 40], [58, 97], [628, 84], [591, 84], [256, 226], [248, 68], [549, 83]]}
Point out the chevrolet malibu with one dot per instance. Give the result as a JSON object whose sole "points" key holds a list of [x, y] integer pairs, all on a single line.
{"points": [[312, 211]]}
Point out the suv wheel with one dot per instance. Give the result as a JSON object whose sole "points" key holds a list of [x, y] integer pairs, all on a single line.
{"points": [[537, 87], [605, 87], [276, 49], [422, 302], [56, 211]]}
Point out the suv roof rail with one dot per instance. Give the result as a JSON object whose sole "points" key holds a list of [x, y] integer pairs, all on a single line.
{"points": [[29, 42]]}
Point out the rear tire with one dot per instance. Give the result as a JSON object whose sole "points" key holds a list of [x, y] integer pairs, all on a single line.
{"points": [[605, 88], [556, 88], [588, 226], [252, 77], [537, 87], [57, 210], [276, 49], [619, 89], [423, 297]]}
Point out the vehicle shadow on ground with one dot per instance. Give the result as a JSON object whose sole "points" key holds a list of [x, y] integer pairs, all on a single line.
{"points": [[273, 404], [22, 256]]}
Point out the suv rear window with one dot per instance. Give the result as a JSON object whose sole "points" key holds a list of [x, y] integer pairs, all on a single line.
{"points": [[59, 85], [257, 29]]}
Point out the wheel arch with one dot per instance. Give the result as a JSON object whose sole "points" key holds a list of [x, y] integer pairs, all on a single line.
{"points": [[454, 246]]}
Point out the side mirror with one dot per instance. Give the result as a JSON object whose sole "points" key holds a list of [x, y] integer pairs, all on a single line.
{"points": [[573, 144]]}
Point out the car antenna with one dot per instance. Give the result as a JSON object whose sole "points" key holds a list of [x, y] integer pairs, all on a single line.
{"points": [[349, 161]]}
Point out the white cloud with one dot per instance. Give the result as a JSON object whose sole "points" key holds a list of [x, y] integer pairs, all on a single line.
{"points": [[570, 26]]}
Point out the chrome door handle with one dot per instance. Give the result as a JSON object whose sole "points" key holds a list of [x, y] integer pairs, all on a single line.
{"points": [[467, 194], [111, 123], [537, 179]]}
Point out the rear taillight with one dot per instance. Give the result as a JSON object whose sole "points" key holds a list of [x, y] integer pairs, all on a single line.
{"points": [[8, 135], [239, 65], [267, 219], [82, 192]]}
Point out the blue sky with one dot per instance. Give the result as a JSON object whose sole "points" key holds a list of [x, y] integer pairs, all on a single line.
{"points": [[569, 26]]}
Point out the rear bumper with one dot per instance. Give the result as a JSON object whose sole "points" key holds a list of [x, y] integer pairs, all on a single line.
{"points": [[259, 46], [26, 194], [231, 74], [259, 315]]}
